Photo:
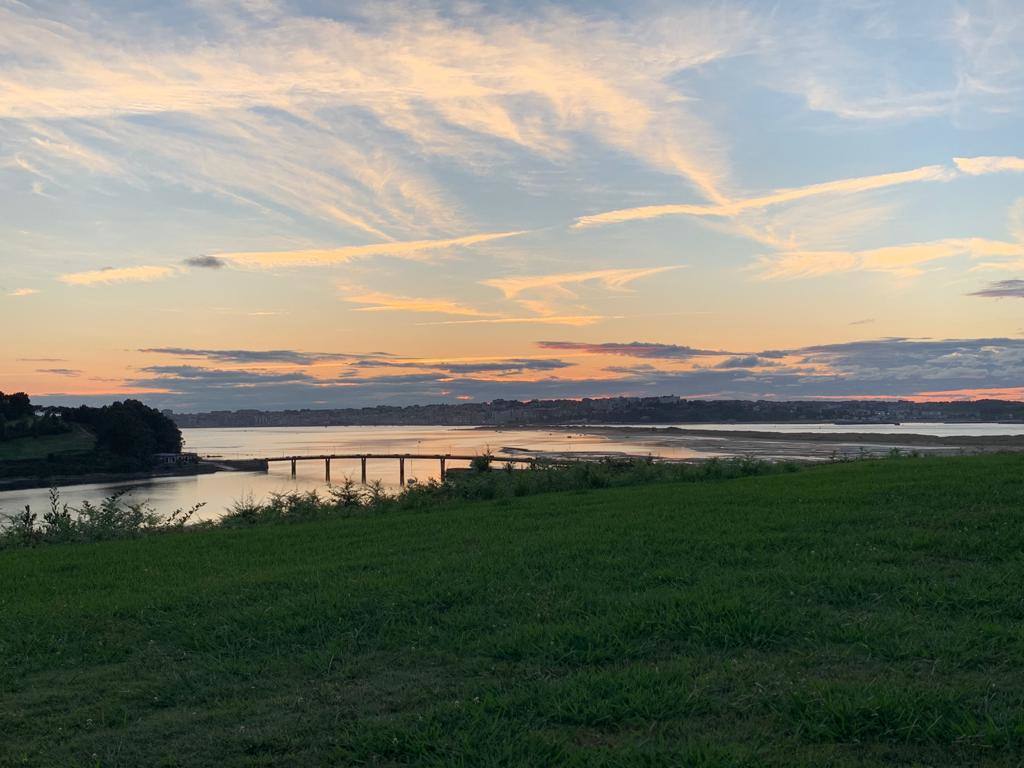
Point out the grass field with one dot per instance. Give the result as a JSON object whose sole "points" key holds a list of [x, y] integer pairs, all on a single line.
{"points": [[869, 613], [78, 439]]}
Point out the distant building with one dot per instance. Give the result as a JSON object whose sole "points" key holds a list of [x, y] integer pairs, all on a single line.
{"points": [[175, 459]]}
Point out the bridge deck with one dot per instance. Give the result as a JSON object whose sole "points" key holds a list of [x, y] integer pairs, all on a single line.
{"points": [[443, 458]]}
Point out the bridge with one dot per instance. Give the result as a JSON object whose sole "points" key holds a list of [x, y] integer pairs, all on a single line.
{"points": [[442, 458]]}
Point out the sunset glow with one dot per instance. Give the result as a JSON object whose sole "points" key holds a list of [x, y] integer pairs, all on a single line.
{"points": [[287, 204]]}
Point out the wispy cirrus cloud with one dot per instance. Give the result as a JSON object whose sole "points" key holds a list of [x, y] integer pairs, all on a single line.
{"points": [[571, 320], [141, 274], [618, 279], [375, 301], [977, 166], [856, 61], [18, 293], [905, 260], [734, 208], [408, 81], [318, 257]]}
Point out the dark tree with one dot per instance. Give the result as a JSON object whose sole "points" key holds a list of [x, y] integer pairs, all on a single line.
{"points": [[129, 428], [15, 406]]}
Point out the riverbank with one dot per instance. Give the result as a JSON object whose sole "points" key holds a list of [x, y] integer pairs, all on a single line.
{"points": [[855, 614], [61, 481], [86, 478], [796, 445]]}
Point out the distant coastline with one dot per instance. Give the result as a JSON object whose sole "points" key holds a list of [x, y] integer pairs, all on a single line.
{"points": [[874, 438], [667, 409]]}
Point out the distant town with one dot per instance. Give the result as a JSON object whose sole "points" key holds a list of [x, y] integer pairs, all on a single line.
{"points": [[619, 410]]}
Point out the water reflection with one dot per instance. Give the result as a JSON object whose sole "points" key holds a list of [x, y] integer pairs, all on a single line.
{"points": [[222, 489]]}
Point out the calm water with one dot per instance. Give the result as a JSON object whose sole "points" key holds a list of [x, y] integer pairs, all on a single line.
{"points": [[220, 490]]}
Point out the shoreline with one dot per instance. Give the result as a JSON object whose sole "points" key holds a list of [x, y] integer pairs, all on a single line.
{"points": [[873, 438], [90, 478], [781, 446]]}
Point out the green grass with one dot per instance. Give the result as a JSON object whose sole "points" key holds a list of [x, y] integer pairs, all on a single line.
{"points": [[78, 439], [868, 613]]}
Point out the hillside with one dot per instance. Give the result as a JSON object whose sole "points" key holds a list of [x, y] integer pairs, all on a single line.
{"points": [[857, 614], [53, 446], [77, 439]]}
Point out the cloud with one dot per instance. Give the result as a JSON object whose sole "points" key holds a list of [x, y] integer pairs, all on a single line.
{"points": [[22, 292], [573, 320], [165, 376], [386, 302], [743, 361], [110, 275], [734, 208], [507, 366], [872, 368], [1002, 289], [412, 249], [71, 372], [892, 367], [248, 356], [340, 118], [205, 262], [630, 349], [618, 279], [863, 61], [977, 166], [520, 365], [905, 260]]}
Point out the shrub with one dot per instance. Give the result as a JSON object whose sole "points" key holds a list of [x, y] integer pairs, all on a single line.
{"points": [[112, 518], [481, 463]]}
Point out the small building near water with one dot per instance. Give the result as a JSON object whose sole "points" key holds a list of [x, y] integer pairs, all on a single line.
{"points": [[175, 459]]}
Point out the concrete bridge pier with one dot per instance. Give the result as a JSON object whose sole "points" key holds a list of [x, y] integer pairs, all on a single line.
{"points": [[442, 469], [327, 470], [362, 462], [293, 468], [401, 471]]}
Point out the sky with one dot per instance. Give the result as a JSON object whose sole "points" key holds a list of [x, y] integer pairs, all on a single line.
{"points": [[224, 204]]}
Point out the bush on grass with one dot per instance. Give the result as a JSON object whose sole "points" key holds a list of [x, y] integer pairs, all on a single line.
{"points": [[112, 518]]}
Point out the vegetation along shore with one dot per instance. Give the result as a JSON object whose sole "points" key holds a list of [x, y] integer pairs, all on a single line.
{"points": [[47, 447]]}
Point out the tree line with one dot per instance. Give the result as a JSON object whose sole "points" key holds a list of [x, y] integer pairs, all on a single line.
{"points": [[127, 429]]}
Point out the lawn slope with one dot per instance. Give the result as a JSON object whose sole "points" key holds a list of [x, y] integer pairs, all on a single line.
{"points": [[78, 439], [868, 613]]}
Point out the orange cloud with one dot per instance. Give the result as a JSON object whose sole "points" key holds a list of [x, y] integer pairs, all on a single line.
{"points": [[572, 320], [905, 260], [730, 209], [144, 274], [386, 302], [512, 287], [318, 257]]}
